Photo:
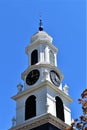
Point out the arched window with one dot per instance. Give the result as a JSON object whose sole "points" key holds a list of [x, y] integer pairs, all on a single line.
{"points": [[34, 57], [51, 57], [30, 107], [59, 108]]}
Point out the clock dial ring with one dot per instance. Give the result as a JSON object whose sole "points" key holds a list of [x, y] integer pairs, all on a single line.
{"points": [[55, 78], [32, 77]]}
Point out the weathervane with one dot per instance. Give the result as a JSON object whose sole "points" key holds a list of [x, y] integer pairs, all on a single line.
{"points": [[40, 25]]}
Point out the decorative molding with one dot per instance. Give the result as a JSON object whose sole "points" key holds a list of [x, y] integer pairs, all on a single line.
{"points": [[38, 66], [40, 38], [40, 86], [40, 120]]}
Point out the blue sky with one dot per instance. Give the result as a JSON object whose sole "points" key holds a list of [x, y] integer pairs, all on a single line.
{"points": [[65, 21]]}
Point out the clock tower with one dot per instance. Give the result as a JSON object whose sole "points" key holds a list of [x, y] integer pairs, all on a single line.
{"points": [[42, 103]]}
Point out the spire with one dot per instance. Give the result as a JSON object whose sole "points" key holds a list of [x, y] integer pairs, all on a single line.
{"points": [[40, 25]]}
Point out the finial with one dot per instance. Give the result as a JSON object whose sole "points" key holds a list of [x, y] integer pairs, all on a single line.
{"points": [[13, 121], [19, 86], [66, 89], [40, 27]]}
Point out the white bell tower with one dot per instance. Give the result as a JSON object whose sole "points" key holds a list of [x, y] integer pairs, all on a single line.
{"points": [[43, 103]]}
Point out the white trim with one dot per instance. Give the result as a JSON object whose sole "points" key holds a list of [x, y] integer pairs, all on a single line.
{"points": [[40, 120], [44, 84]]}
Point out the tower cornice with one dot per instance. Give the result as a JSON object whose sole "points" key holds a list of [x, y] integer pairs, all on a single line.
{"points": [[40, 120], [45, 84], [43, 42], [39, 66]]}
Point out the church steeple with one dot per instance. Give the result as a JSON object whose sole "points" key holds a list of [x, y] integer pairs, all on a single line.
{"points": [[42, 103]]}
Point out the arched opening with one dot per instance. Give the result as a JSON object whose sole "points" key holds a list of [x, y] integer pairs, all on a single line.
{"points": [[34, 57], [59, 108], [51, 57], [30, 107]]}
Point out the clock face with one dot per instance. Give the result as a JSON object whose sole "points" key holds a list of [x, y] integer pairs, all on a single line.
{"points": [[55, 78], [32, 77]]}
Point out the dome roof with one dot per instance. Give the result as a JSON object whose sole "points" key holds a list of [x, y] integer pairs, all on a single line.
{"points": [[41, 35]]}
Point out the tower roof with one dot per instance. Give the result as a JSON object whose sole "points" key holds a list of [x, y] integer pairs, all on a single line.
{"points": [[41, 35]]}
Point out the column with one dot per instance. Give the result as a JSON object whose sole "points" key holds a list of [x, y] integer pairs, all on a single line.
{"points": [[46, 55]]}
